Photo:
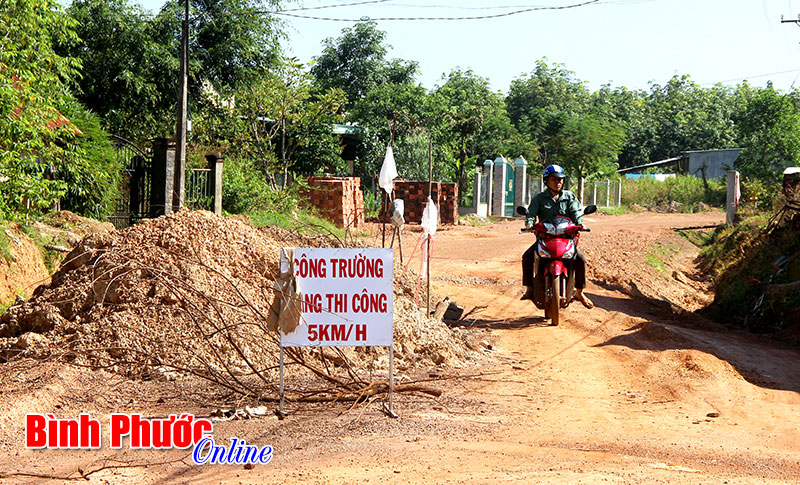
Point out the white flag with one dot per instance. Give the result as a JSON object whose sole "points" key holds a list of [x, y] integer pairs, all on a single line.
{"points": [[388, 171]]}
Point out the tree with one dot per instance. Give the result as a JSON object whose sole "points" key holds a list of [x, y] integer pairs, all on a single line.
{"points": [[356, 62], [539, 103], [769, 131], [279, 120], [689, 117], [469, 105], [129, 67], [233, 41], [587, 145], [406, 107], [34, 79]]}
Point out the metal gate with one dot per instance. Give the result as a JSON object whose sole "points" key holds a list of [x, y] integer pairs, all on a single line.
{"points": [[199, 192], [509, 191], [133, 202]]}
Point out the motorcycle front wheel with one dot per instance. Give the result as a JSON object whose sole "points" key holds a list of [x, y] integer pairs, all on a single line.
{"points": [[555, 299]]}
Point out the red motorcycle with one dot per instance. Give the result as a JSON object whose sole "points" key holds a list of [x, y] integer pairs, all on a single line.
{"points": [[556, 247]]}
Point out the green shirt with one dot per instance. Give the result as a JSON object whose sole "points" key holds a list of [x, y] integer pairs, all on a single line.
{"points": [[546, 208]]}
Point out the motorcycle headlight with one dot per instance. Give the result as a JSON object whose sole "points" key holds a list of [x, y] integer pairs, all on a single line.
{"points": [[542, 250], [570, 252]]}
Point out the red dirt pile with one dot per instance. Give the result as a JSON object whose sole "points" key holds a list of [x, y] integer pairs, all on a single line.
{"points": [[186, 293]]}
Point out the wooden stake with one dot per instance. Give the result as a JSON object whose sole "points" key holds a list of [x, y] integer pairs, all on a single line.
{"points": [[430, 195]]}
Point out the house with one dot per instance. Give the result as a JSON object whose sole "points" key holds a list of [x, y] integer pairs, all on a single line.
{"points": [[708, 164]]}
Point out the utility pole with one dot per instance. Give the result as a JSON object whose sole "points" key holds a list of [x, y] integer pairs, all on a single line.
{"points": [[178, 194]]}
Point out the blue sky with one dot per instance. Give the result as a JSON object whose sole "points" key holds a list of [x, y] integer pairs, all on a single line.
{"points": [[621, 42]]}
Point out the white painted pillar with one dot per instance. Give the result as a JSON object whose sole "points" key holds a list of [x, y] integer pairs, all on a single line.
{"points": [[733, 196], [520, 179]]}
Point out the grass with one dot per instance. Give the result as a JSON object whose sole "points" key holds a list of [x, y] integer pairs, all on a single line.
{"points": [[51, 258], [657, 256], [300, 220], [699, 238], [740, 259], [5, 250], [613, 211]]}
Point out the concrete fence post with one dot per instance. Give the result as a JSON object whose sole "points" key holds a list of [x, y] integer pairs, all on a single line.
{"points": [[163, 177], [488, 168], [732, 200], [215, 163], [521, 177], [476, 190], [498, 187]]}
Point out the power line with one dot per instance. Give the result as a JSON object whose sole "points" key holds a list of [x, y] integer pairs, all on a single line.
{"points": [[291, 12], [479, 17], [744, 78]]}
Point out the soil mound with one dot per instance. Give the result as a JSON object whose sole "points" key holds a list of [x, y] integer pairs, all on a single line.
{"points": [[186, 293], [20, 264]]}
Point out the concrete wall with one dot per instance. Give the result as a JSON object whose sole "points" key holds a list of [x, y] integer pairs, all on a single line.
{"points": [[713, 162]]}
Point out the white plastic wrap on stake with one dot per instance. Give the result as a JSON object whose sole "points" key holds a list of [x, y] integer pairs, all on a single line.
{"points": [[388, 171], [430, 218], [398, 208]]}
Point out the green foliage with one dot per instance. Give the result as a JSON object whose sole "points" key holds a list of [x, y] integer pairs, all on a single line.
{"points": [[657, 256], [538, 103], [33, 81], [476, 121], [244, 187], [769, 127], [686, 116], [356, 62], [740, 258], [233, 50], [414, 110], [614, 210], [684, 189], [277, 123], [129, 67], [285, 126], [5, 250], [372, 203], [89, 167], [303, 220], [587, 145]]}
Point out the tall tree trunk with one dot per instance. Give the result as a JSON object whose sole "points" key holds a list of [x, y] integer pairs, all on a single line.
{"points": [[580, 185]]}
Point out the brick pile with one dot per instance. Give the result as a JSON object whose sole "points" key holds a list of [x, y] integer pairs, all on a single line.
{"points": [[415, 195], [339, 199]]}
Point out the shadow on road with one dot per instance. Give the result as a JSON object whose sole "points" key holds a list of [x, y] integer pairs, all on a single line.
{"points": [[511, 323], [761, 362]]}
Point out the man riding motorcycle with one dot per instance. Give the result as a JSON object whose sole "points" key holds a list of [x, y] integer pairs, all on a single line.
{"points": [[552, 202]]}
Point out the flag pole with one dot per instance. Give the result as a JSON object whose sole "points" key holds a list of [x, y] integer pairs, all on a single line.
{"points": [[385, 208]]}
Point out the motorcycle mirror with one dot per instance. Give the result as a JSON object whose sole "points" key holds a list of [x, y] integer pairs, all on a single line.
{"points": [[590, 209], [521, 210]]}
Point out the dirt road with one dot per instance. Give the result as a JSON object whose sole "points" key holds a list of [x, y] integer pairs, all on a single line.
{"points": [[636, 390]]}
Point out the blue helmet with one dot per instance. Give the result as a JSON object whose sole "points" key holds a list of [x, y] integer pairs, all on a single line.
{"points": [[554, 171]]}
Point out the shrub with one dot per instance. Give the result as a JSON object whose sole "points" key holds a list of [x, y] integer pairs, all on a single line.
{"points": [[683, 189], [244, 186], [89, 167]]}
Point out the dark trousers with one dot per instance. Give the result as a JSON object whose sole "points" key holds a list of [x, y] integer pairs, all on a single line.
{"points": [[578, 266]]}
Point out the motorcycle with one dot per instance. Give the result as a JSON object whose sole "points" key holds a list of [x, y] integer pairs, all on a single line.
{"points": [[556, 247]]}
